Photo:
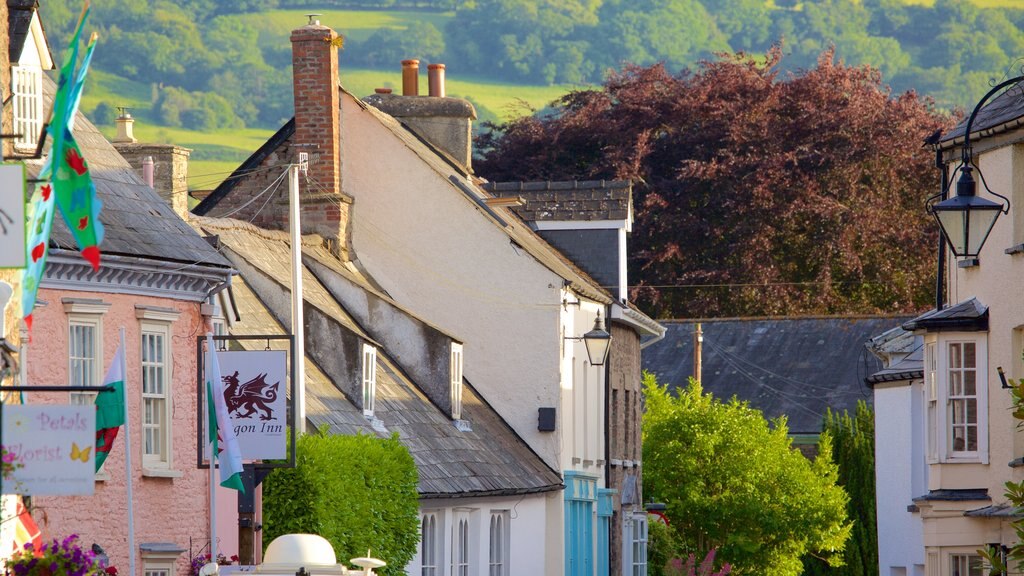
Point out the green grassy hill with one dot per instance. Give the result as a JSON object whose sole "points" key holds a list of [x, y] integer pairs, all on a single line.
{"points": [[216, 154]]}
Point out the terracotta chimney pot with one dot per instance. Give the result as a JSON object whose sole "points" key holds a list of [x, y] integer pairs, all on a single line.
{"points": [[410, 77], [435, 77]]}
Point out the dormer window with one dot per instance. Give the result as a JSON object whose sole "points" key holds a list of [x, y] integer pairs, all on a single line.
{"points": [[456, 381], [369, 379], [27, 92]]}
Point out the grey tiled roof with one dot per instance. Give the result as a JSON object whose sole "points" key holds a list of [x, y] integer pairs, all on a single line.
{"points": [[489, 460], [137, 221], [1007, 107], [19, 15], [567, 200], [797, 367], [969, 315]]}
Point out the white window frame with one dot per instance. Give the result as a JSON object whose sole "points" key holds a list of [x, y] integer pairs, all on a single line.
{"points": [[462, 544], [157, 322], [941, 398], [965, 564], [931, 399], [431, 544], [499, 539], [369, 357], [82, 313], [456, 381], [27, 104]]}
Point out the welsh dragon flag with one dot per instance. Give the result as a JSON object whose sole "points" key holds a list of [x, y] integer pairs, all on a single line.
{"points": [[220, 430], [110, 409]]}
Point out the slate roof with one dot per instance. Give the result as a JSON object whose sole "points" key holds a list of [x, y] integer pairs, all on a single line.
{"points": [[490, 460], [795, 367], [568, 200], [19, 19], [1005, 109], [906, 347], [137, 221], [969, 315]]}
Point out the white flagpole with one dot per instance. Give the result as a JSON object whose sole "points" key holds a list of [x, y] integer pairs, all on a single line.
{"points": [[128, 458], [213, 457]]}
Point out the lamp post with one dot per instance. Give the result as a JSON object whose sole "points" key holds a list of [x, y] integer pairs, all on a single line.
{"points": [[966, 219], [596, 341]]}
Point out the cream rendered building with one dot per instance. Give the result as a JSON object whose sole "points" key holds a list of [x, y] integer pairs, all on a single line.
{"points": [[971, 443]]}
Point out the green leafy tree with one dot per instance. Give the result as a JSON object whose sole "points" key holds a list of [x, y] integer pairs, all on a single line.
{"points": [[853, 450], [359, 492], [731, 481]]}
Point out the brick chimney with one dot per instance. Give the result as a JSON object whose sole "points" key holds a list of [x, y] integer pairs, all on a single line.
{"points": [[318, 131], [447, 123]]}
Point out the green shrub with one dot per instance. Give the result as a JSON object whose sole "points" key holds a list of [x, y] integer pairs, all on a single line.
{"points": [[358, 492]]}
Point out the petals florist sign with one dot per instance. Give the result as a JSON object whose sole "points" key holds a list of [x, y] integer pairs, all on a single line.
{"points": [[254, 388], [51, 447]]}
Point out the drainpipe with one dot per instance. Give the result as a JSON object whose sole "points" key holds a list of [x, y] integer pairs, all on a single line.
{"points": [[940, 287]]}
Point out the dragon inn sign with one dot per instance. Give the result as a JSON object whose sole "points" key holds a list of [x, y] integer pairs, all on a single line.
{"points": [[253, 383]]}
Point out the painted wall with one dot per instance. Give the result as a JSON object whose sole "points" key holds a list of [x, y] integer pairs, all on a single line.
{"points": [[166, 509], [996, 282], [528, 537], [899, 457], [434, 252]]}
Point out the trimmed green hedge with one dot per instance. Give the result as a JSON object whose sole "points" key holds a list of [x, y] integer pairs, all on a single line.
{"points": [[358, 492]]}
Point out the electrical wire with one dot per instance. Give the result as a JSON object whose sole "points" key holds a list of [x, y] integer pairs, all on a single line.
{"points": [[388, 242]]}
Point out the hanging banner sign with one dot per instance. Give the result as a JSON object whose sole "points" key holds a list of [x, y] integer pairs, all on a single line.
{"points": [[254, 385], [12, 216], [49, 449]]}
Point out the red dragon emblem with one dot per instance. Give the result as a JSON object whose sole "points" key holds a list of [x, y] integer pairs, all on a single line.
{"points": [[250, 398]]}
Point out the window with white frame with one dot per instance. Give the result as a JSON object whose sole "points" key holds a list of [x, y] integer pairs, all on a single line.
{"points": [[85, 345], [638, 541], [956, 393], [156, 365], [931, 392], [456, 381], [460, 544], [965, 565], [27, 92], [369, 379], [498, 553], [156, 394], [429, 545]]}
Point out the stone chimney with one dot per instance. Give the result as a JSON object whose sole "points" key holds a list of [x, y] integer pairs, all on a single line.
{"points": [[169, 166], [318, 131], [446, 123]]}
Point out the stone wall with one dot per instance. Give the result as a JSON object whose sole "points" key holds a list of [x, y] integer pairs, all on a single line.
{"points": [[624, 415]]}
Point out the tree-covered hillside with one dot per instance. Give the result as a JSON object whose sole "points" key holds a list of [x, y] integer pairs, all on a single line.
{"points": [[215, 65]]}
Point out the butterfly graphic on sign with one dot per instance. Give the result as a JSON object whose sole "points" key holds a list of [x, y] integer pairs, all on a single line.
{"points": [[80, 454]]}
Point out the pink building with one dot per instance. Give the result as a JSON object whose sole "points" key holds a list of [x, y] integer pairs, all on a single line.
{"points": [[157, 280]]}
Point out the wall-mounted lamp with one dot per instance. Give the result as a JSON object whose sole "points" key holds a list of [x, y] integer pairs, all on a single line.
{"points": [[966, 219], [1002, 378], [597, 342]]}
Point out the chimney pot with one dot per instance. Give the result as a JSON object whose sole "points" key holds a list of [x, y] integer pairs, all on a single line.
{"points": [[124, 127], [435, 80], [410, 77], [382, 90], [147, 170]]}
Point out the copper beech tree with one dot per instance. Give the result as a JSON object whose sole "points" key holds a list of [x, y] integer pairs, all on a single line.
{"points": [[756, 192]]}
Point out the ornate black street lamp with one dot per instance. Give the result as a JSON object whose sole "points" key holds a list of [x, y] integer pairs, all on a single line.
{"points": [[966, 219], [597, 342]]}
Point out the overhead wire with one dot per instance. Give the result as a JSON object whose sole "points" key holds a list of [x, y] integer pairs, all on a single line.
{"points": [[387, 242]]}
